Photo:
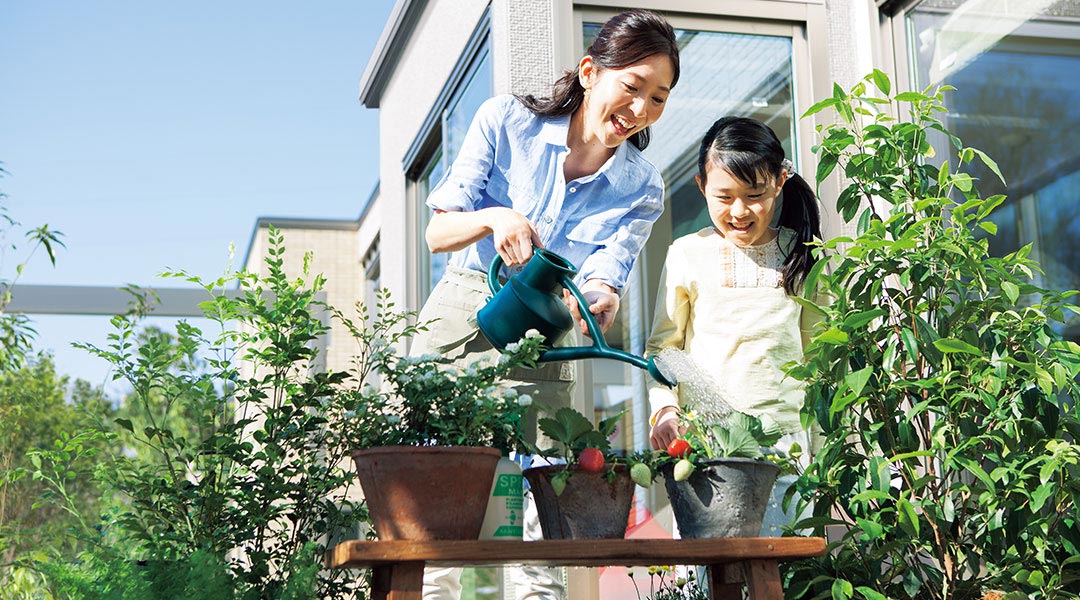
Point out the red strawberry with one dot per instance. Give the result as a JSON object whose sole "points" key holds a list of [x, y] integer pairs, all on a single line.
{"points": [[678, 448], [591, 460]]}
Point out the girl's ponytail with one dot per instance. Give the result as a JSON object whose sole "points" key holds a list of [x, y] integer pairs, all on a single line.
{"points": [[800, 214]]}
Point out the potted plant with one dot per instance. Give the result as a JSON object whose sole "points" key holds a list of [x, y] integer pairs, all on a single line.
{"points": [[428, 441], [588, 491], [720, 474], [945, 392]]}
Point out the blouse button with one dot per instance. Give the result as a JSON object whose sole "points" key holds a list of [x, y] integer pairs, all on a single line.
{"points": [[573, 189]]}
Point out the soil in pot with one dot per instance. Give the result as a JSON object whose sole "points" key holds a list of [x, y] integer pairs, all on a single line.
{"points": [[590, 507], [724, 497], [426, 492]]}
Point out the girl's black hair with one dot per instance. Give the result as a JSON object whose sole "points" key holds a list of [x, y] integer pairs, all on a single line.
{"points": [[751, 152], [626, 39]]}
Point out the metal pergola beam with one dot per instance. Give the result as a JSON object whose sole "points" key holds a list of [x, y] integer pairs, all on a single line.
{"points": [[106, 301]]}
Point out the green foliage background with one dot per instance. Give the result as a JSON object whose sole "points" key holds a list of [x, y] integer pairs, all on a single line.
{"points": [[941, 384]]}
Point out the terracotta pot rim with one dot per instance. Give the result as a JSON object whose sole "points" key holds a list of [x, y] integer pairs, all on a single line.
{"points": [[426, 450], [619, 468]]}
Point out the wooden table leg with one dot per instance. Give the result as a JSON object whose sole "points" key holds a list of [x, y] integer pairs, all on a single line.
{"points": [[401, 581], [725, 581], [380, 582], [763, 580]]}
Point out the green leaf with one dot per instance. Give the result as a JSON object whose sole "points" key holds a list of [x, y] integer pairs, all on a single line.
{"points": [[953, 345], [1011, 291], [870, 594], [126, 424], [911, 97], [857, 379], [881, 81], [833, 336], [1040, 496], [818, 107], [989, 162], [908, 337], [989, 227], [841, 589], [907, 517], [857, 320]]}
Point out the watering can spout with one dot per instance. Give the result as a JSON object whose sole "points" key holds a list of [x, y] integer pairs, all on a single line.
{"points": [[532, 299]]}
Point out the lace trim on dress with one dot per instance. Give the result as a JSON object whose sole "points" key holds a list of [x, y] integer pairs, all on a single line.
{"points": [[753, 266]]}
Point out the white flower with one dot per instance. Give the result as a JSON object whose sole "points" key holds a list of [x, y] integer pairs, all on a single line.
{"points": [[510, 393], [533, 334], [430, 357], [525, 400], [393, 419], [513, 347]]}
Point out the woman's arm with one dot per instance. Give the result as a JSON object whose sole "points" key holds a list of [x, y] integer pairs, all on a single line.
{"points": [[514, 235]]}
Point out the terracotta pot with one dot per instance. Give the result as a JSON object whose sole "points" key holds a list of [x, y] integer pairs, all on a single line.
{"points": [[590, 506], [724, 497], [426, 492]]}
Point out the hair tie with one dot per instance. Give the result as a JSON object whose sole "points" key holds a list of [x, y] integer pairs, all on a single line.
{"points": [[788, 166]]}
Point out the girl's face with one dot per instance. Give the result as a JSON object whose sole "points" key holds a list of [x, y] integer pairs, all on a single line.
{"points": [[740, 211], [621, 102]]}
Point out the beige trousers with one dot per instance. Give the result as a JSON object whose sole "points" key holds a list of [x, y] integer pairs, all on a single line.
{"points": [[455, 336]]}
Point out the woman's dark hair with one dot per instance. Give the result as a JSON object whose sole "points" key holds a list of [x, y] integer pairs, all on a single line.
{"points": [[626, 39], [751, 152]]}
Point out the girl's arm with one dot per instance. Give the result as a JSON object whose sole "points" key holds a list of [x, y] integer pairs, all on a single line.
{"points": [[669, 331]]}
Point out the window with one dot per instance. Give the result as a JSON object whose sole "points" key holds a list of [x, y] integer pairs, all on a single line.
{"points": [[727, 68], [469, 87], [1016, 102]]}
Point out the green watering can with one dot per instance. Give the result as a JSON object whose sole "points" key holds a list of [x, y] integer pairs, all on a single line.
{"points": [[532, 299]]}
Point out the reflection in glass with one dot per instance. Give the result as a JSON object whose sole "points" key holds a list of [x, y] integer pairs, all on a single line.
{"points": [[474, 89], [1016, 100], [721, 74]]}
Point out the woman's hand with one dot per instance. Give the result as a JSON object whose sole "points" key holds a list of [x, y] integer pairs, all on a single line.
{"points": [[666, 428], [514, 235], [603, 304]]}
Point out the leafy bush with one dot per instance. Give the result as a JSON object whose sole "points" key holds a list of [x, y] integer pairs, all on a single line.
{"points": [[946, 396]]}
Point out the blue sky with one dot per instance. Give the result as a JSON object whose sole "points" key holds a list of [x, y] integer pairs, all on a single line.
{"points": [[154, 134]]}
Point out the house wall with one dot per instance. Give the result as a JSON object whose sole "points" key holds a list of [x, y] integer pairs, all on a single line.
{"points": [[426, 61], [335, 255]]}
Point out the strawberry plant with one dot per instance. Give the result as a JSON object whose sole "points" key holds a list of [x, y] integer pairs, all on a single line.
{"points": [[577, 443]]}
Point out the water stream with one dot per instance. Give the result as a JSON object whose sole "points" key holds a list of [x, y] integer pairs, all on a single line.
{"points": [[698, 390]]}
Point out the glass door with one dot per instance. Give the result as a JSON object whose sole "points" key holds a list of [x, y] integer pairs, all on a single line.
{"points": [[728, 67]]}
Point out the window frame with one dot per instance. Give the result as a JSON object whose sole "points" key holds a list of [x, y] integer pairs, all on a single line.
{"points": [[430, 141]]}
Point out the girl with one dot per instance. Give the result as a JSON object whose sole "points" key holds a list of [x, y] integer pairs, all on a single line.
{"points": [[558, 173], [725, 297]]}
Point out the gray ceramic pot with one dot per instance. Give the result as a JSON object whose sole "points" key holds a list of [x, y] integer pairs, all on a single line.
{"points": [[724, 497]]}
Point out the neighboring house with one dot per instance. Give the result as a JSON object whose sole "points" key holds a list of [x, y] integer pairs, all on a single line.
{"points": [[1014, 64]]}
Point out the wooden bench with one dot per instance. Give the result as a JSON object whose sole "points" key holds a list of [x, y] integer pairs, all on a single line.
{"points": [[398, 566]]}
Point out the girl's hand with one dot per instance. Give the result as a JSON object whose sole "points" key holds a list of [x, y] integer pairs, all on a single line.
{"points": [[665, 429], [603, 304], [514, 235]]}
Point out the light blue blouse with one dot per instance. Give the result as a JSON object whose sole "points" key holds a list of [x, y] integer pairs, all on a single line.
{"points": [[510, 157]]}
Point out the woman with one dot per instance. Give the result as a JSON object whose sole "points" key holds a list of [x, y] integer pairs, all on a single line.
{"points": [[556, 173]]}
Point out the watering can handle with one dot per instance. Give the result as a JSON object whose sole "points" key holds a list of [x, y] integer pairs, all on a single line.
{"points": [[583, 305], [583, 310], [493, 275]]}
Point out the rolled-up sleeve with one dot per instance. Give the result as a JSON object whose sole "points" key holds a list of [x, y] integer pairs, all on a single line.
{"points": [[614, 258], [462, 187], [669, 325]]}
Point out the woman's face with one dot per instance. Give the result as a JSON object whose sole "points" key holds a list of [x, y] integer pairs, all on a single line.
{"points": [[740, 211], [621, 102]]}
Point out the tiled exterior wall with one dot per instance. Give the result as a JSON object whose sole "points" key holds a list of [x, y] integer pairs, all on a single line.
{"points": [[335, 256]]}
